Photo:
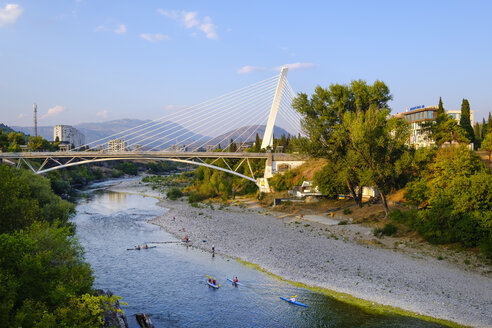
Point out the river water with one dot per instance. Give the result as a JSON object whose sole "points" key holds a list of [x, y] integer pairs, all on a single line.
{"points": [[169, 281]]}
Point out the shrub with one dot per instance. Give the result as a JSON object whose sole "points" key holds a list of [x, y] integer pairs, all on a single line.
{"points": [[174, 193], [388, 230], [347, 211]]}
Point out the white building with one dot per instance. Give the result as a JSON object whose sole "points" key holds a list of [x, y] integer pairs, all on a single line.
{"points": [[415, 116], [69, 135], [116, 145]]}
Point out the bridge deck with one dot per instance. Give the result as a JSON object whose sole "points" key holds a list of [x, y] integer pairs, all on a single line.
{"points": [[150, 155]]}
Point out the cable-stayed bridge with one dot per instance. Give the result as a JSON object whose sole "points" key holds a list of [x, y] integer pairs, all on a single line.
{"points": [[189, 135]]}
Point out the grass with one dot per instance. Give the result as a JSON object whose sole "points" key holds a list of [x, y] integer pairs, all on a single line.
{"points": [[368, 306]]}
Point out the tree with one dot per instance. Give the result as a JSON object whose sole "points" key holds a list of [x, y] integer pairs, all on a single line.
{"points": [[257, 143], [35, 143], [322, 115], [445, 128], [465, 122], [379, 143], [477, 131], [4, 141], [484, 128], [487, 145], [440, 108]]}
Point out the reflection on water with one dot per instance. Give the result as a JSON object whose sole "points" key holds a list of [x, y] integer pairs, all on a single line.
{"points": [[169, 281], [117, 197]]}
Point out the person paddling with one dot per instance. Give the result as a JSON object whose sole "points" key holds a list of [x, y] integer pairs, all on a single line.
{"points": [[293, 298], [138, 247], [236, 280]]}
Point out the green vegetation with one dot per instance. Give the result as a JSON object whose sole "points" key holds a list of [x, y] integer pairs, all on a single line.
{"points": [[456, 195], [347, 125], [465, 122], [174, 193], [487, 145], [448, 186], [44, 281], [388, 230]]}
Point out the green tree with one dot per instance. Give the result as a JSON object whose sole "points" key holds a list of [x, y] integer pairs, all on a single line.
{"points": [[379, 143], [477, 131], [4, 141], [457, 187], [445, 128], [322, 115], [26, 198], [465, 122], [35, 143], [487, 145], [18, 138]]}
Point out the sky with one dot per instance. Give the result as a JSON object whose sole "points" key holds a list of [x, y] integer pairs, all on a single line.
{"points": [[92, 61]]}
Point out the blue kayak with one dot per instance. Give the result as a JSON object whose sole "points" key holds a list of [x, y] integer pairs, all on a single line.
{"points": [[295, 302], [235, 283], [212, 285]]}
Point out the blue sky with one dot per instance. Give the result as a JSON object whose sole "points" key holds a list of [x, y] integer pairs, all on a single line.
{"points": [[92, 60]]}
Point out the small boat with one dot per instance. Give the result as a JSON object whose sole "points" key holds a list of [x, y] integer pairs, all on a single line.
{"points": [[212, 285], [293, 302], [137, 249], [235, 283]]}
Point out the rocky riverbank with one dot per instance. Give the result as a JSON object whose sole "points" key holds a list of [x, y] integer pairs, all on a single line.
{"points": [[316, 253]]}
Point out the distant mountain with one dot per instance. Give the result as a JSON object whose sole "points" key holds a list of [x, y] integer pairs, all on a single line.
{"points": [[246, 134], [162, 135], [6, 128]]}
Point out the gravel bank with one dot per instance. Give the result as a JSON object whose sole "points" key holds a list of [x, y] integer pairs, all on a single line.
{"points": [[309, 252]]}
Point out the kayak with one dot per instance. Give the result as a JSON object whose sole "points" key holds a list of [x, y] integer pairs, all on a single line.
{"points": [[137, 249], [295, 302], [235, 283], [212, 285]]}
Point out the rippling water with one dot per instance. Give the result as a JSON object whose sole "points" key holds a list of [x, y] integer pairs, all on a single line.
{"points": [[169, 281]]}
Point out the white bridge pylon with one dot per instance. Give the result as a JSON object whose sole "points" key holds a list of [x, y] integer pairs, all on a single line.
{"points": [[268, 136]]}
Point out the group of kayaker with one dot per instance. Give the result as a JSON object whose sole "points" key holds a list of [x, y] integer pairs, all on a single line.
{"points": [[143, 246], [212, 281]]}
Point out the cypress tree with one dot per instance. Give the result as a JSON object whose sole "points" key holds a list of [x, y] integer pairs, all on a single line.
{"points": [[257, 143], [484, 128], [441, 114], [440, 109], [489, 123], [478, 134], [465, 120]]}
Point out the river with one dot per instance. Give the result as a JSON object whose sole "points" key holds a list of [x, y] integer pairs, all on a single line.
{"points": [[169, 281]]}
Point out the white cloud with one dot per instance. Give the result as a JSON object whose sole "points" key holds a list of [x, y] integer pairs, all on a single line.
{"points": [[103, 114], [118, 29], [191, 20], [121, 29], [171, 14], [20, 116], [209, 28], [54, 111], [154, 37], [297, 66], [9, 14], [250, 69]]}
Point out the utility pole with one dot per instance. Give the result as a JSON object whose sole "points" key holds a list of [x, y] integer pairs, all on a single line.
{"points": [[35, 108]]}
